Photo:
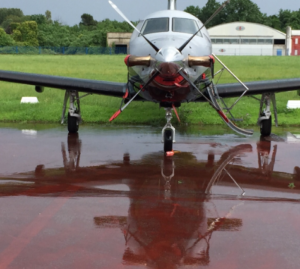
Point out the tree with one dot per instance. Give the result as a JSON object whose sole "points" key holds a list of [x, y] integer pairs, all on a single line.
{"points": [[5, 12], [26, 34], [5, 39], [289, 18], [242, 10], [195, 11], [272, 21], [6, 25], [38, 18], [87, 20], [237, 10], [209, 9], [48, 16]]}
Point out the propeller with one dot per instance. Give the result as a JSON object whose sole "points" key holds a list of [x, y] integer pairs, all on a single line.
{"points": [[211, 17], [213, 102], [114, 116], [125, 18]]}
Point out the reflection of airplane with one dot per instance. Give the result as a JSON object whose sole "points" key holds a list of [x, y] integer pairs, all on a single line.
{"points": [[263, 153], [74, 150], [171, 63], [202, 175], [171, 216], [174, 228], [165, 234]]}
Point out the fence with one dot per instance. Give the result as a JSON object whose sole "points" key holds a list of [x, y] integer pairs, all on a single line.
{"points": [[62, 50]]}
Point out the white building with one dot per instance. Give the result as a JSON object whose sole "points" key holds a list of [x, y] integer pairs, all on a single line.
{"points": [[246, 38]]}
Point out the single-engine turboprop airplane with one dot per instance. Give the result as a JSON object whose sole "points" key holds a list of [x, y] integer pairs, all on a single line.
{"points": [[171, 63]]}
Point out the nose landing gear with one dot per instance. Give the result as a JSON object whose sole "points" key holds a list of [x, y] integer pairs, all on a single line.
{"points": [[168, 132]]}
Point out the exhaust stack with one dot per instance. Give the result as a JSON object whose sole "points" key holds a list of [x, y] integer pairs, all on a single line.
{"points": [[172, 5]]}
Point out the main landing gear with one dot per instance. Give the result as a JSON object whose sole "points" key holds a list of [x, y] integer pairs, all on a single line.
{"points": [[168, 132], [265, 118], [74, 117]]}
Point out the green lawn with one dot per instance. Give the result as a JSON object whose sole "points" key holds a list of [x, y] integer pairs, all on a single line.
{"points": [[111, 68]]}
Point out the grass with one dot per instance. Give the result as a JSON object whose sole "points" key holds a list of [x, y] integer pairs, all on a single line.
{"points": [[111, 68]]}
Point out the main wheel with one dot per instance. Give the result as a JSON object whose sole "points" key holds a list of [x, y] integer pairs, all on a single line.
{"points": [[266, 127], [73, 124], [168, 140]]}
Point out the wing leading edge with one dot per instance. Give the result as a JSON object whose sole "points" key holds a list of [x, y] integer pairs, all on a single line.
{"points": [[256, 87], [117, 89], [65, 83]]}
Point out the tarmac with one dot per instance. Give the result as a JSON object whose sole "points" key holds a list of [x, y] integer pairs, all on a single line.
{"points": [[110, 198]]}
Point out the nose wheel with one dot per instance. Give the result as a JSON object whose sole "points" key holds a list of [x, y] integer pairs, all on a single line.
{"points": [[168, 140], [265, 118], [266, 126], [168, 132], [73, 124]]}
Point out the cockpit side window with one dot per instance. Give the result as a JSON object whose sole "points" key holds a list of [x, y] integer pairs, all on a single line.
{"points": [[156, 25], [183, 25]]}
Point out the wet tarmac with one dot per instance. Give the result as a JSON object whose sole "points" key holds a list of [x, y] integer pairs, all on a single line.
{"points": [[109, 198]]}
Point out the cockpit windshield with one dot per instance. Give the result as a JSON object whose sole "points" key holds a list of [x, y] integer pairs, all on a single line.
{"points": [[183, 25], [156, 25]]}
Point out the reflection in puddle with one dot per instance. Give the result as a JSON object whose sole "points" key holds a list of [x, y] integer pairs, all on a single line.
{"points": [[115, 187], [4, 182], [178, 206]]}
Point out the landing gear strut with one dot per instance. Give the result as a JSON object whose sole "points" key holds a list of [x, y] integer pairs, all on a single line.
{"points": [[265, 118], [168, 132], [74, 117]]}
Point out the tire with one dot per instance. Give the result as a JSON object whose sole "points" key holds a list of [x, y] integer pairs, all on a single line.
{"points": [[266, 127], [73, 124], [168, 140]]}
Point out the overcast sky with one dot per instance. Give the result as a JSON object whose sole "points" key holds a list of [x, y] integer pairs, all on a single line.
{"points": [[70, 11]]}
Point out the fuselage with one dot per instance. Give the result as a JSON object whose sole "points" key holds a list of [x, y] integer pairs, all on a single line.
{"points": [[168, 30]]}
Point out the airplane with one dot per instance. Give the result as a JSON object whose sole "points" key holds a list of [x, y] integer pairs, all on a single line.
{"points": [[170, 63]]}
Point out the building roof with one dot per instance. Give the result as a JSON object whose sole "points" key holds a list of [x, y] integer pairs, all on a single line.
{"points": [[245, 29], [296, 32]]}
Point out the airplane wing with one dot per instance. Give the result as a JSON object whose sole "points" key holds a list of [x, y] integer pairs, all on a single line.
{"points": [[117, 89], [256, 87], [65, 83]]}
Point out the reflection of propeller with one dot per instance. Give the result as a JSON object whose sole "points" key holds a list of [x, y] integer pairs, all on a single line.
{"points": [[226, 158], [125, 18]]}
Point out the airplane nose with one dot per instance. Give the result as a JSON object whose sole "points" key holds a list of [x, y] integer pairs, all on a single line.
{"points": [[168, 62], [169, 76], [168, 55], [168, 69]]}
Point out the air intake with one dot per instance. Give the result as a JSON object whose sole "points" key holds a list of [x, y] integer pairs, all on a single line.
{"points": [[172, 5]]}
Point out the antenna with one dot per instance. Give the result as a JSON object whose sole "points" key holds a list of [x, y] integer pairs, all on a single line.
{"points": [[172, 4]]}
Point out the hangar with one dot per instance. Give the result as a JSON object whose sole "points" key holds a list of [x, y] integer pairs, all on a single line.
{"points": [[247, 38], [120, 41], [236, 38]]}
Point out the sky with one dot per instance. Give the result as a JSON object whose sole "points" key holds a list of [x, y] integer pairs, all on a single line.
{"points": [[70, 11]]}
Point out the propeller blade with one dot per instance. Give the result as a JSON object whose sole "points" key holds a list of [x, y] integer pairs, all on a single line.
{"points": [[114, 116], [175, 111], [213, 102], [211, 17], [125, 18]]}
